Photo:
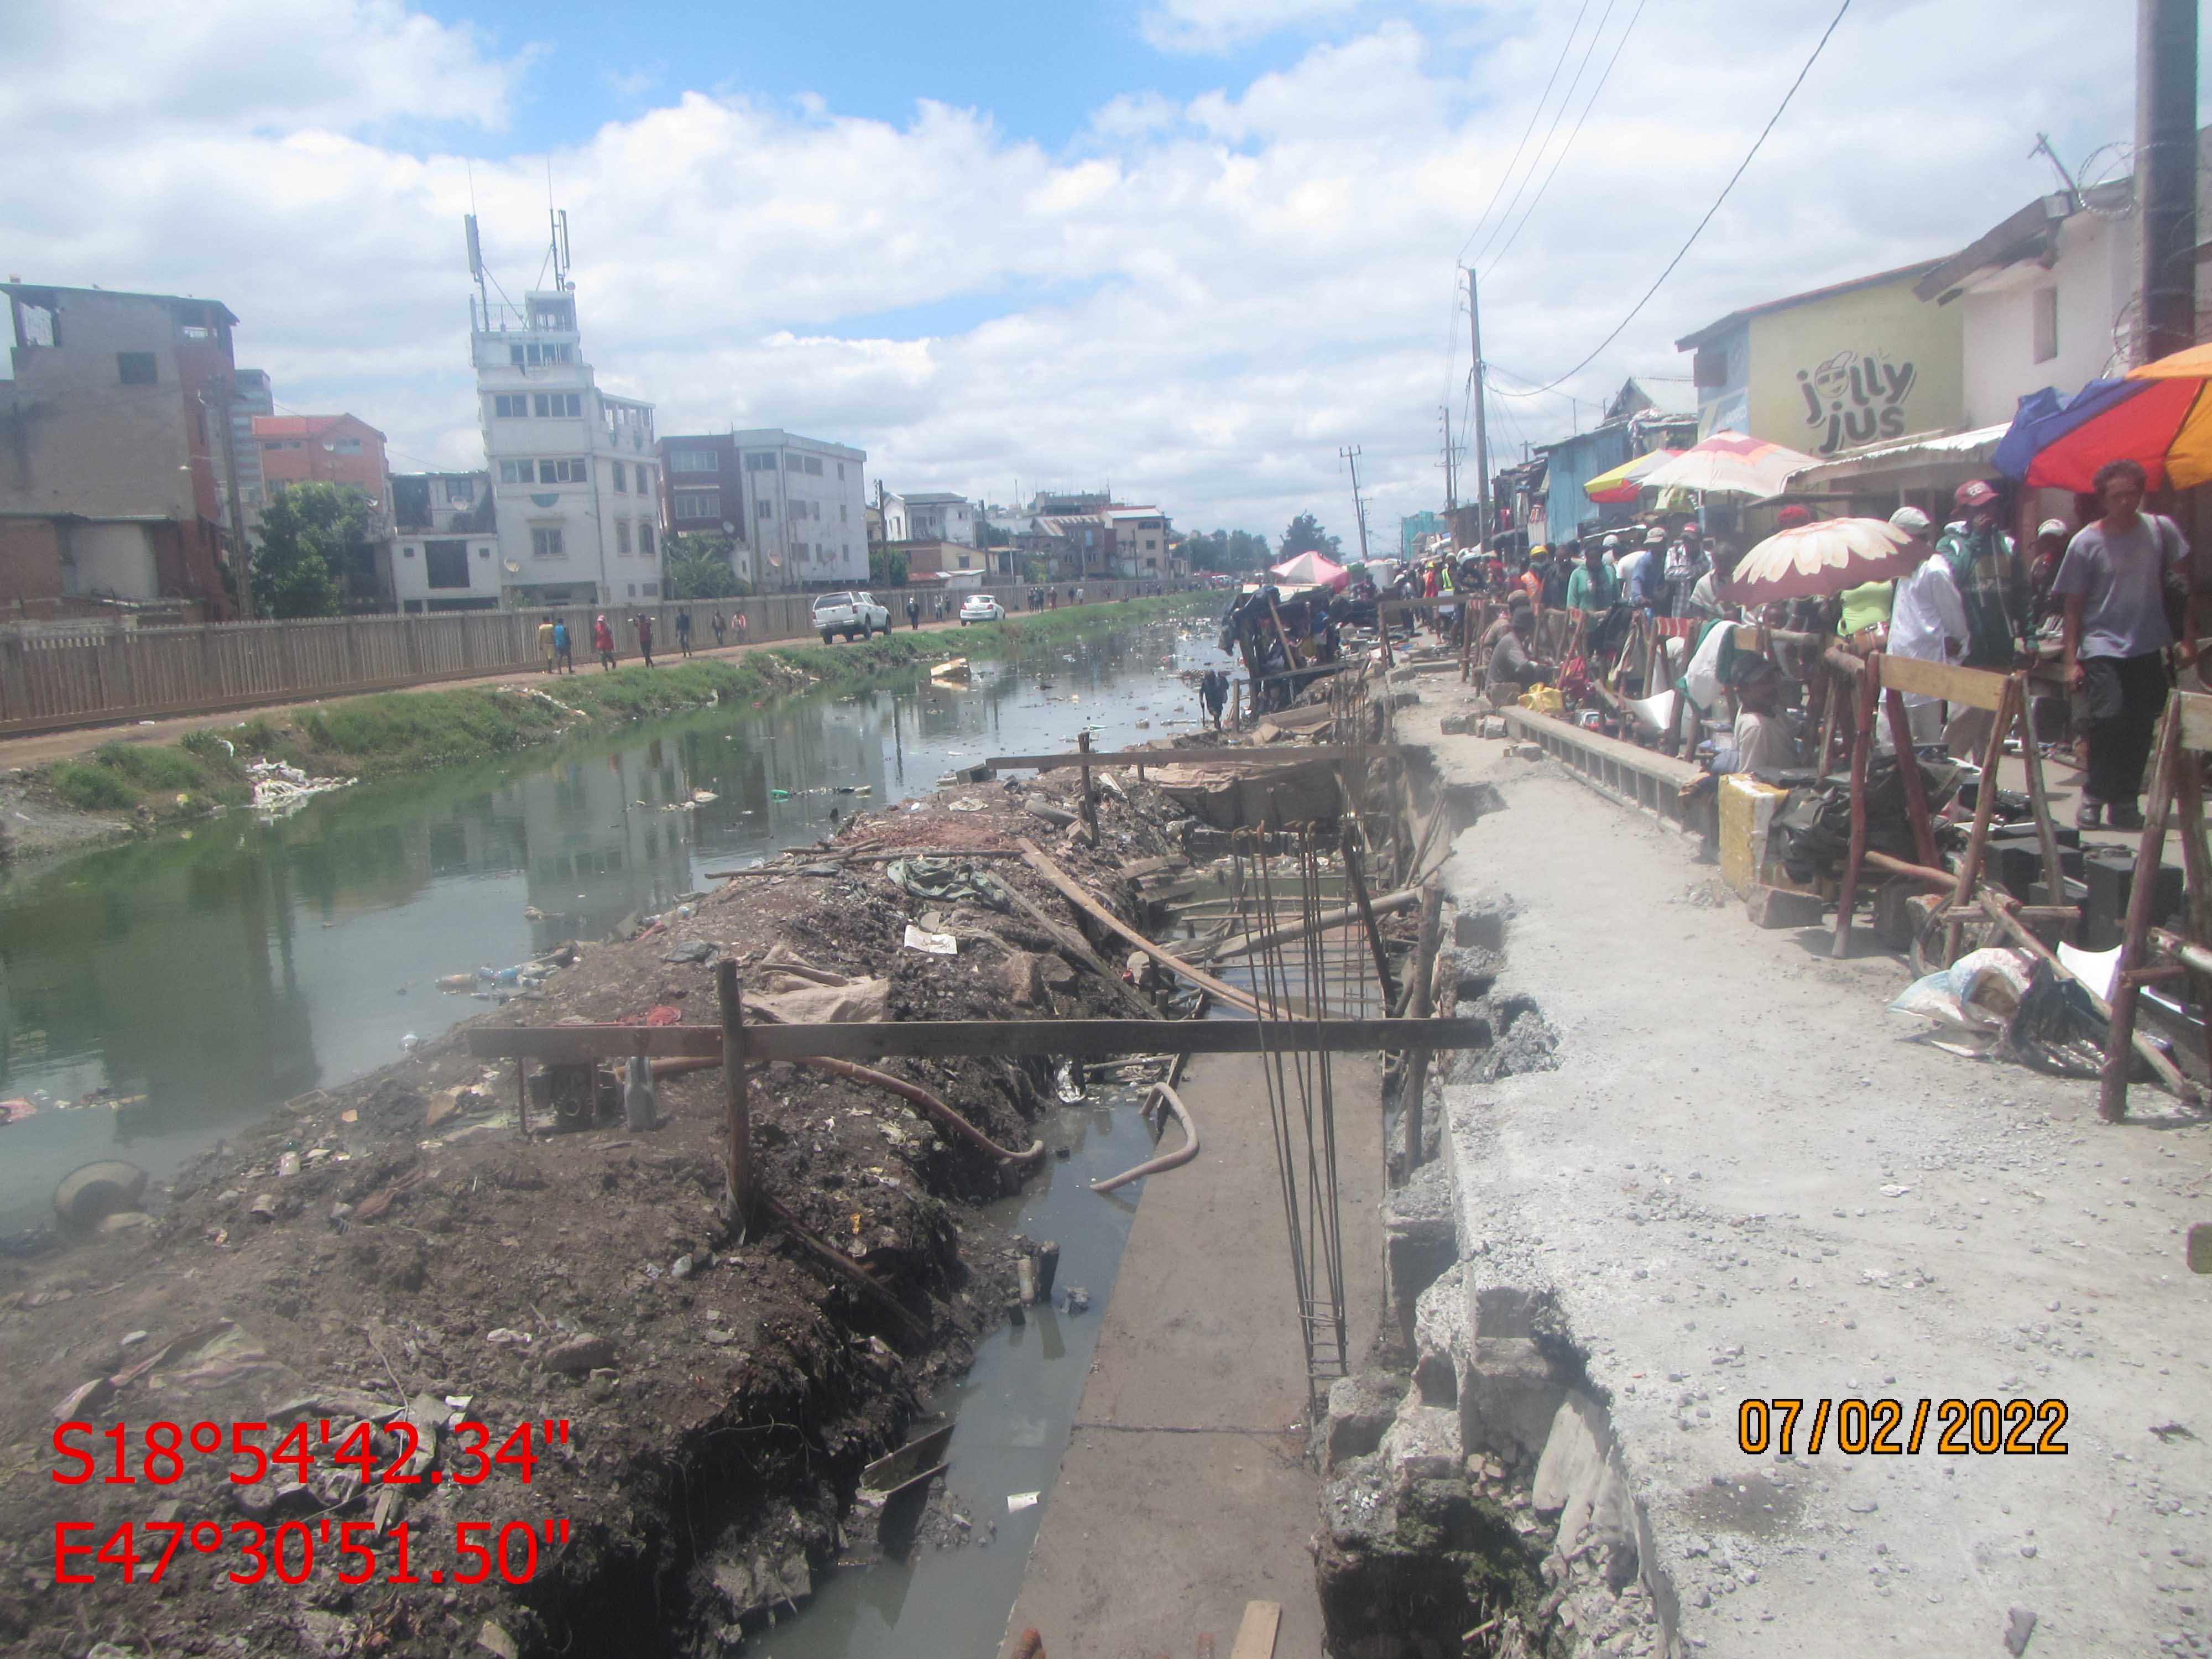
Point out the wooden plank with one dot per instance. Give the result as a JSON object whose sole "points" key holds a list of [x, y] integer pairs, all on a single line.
{"points": [[1255, 1637], [1979, 688], [1077, 895], [1284, 755], [953, 1038], [2196, 721]]}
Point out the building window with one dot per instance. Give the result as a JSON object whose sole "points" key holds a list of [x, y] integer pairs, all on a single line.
{"points": [[644, 479], [698, 504], [622, 535], [622, 479], [645, 538], [556, 405], [517, 472], [963, 560], [445, 564], [511, 408], [271, 445], [843, 515], [694, 460], [841, 470], [521, 355], [194, 332], [2046, 324], [135, 367], [760, 462], [545, 541], [562, 473], [768, 510], [460, 490], [814, 466], [344, 446]]}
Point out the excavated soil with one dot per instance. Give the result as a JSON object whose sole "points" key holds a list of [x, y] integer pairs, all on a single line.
{"points": [[398, 1244]]}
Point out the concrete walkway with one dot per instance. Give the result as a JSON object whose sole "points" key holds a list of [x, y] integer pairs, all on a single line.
{"points": [[1747, 1180], [1185, 1492]]}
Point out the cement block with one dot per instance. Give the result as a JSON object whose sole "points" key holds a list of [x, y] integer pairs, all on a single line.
{"points": [[1440, 1338], [1361, 1409], [1419, 1239], [1421, 1443], [1508, 1398], [1480, 923], [1491, 727], [1778, 907], [1457, 725]]}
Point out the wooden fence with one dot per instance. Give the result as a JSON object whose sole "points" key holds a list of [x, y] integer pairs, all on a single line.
{"points": [[52, 677]]}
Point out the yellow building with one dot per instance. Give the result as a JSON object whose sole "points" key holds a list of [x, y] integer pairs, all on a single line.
{"points": [[1859, 362]]}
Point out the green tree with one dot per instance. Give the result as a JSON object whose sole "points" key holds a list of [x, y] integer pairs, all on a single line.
{"points": [[1305, 535], [1227, 550], [698, 567], [887, 568], [317, 541]]}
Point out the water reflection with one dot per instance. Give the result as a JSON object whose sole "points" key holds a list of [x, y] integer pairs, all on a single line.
{"points": [[197, 981]]}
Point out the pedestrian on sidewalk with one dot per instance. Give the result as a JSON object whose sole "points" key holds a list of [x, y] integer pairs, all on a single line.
{"points": [[1986, 569], [721, 626], [913, 614], [1591, 588], [546, 648], [1686, 562], [603, 641], [683, 631], [645, 637], [742, 626], [2123, 576], [564, 648], [1927, 620]]}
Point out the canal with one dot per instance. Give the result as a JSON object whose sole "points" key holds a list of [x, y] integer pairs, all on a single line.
{"points": [[157, 996]]}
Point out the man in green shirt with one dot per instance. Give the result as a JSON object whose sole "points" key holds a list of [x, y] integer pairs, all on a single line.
{"points": [[1592, 587]]}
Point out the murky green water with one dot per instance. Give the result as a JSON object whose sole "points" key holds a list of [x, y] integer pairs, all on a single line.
{"points": [[153, 996]]}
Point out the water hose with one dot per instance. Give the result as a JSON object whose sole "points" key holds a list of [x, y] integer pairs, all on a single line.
{"points": [[1173, 1160]]}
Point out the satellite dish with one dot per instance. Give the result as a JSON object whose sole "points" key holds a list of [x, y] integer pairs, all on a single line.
{"points": [[728, 529], [513, 567]]}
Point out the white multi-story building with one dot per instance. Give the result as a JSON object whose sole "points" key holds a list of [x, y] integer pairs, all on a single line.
{"points": [[807, 509], [572, 468]]}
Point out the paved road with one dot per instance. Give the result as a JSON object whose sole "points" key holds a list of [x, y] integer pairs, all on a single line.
{"points": [[1184, 1492]]}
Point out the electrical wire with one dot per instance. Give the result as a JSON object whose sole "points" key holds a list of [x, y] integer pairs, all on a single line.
{"points": [[1534, 116], [1557, 115], [1575, 133], [1700, 230]]}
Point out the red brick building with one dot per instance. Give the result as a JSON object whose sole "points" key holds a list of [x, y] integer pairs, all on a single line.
{"points": [[336, 449]]}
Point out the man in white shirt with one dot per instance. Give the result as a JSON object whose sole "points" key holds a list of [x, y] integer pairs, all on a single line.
{"points": [[1928, 620]]}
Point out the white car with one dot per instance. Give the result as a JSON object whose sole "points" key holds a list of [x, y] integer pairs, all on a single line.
{"points": [[981, 607], [856, 616]]}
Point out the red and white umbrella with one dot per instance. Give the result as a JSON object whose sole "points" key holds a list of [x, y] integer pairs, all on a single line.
{"points": [[1811, 561], [1730, 464], [1310, 570]]}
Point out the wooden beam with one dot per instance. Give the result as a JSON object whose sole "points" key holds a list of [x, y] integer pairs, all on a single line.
{"points": [[1255, 1637], [1979, 688], [737, 1189], [1077, 895], [1285, 755], [2195, 719], [1389, 902], [957, 1038]]}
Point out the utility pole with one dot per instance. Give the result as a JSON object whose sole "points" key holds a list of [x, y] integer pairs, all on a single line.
{"points": [[1481, 423], [1451, 468], [2166, 171], [1358, 507], [240, 549]]}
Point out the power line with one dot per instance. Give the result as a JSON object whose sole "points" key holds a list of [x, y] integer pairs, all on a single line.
{"points": [[1534, 116], [1596, 92], [1557, 115], [1703, 222]]}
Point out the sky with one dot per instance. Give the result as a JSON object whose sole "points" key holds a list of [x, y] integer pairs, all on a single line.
{"points": [[1189, 250]]}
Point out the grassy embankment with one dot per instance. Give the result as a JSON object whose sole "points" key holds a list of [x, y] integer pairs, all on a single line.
{"points": [[393, 733]]}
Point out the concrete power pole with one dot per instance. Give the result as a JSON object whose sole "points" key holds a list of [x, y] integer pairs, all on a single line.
{"points": [[1358, 507], [1451, 469], [241, 549], [1481, 423], [2166, 171]]}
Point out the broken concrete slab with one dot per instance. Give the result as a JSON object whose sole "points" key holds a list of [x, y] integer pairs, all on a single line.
{"points": [[1779, 906], [1361, 1409]]}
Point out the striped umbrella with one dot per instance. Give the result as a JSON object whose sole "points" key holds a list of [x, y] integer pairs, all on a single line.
{"points": [[1620, 483], [2158, 416], [1731, 464], [1811, 561]]}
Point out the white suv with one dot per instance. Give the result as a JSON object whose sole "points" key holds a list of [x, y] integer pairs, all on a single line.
{"points": [[856, 616]]}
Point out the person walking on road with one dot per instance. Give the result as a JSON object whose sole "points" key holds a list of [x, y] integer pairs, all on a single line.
{"points": [[683, 631], [1927, 620], [722, 626], [913, 614], [564, 648], [645, 638], [546, 648], [1986, 569], [2119, 577], [603, 641], [1591, 587]]}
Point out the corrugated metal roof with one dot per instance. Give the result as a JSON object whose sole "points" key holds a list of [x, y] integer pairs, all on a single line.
{"points": [[1952, 449]]}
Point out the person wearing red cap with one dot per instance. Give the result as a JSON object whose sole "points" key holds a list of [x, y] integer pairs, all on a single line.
{"points": [[1792, 517], [1986, 569]]}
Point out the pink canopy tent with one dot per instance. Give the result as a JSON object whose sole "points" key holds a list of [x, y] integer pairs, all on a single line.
{"points": [[1310, 570]]}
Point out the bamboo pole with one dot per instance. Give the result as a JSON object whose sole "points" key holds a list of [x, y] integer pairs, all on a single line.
{"points": [[1353, 858], [737, 1189], [1074, 892]]}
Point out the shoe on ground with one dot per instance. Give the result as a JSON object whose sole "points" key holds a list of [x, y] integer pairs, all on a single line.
{"points": [[2089, 815], [2124, 817]]}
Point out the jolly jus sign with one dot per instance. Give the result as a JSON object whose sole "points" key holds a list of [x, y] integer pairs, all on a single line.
{"points": [[1866, 365]]}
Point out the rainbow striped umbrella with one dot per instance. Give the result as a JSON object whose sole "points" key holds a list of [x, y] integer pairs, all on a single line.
{"points": [[1620, 483], [2160, 415]]}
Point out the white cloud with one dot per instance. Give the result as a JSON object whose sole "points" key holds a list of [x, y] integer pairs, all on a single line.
{"points": [[1207, 25], [1199, 301]]}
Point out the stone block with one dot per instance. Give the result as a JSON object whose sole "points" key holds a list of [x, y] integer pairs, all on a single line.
{"points": [[1480, 924], [1421, 1443], [1493, 726], [1025, 979], [1419, 1240], [1440, 1338], [1508, 1398], [1778, 907], [1361, 1409]]}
